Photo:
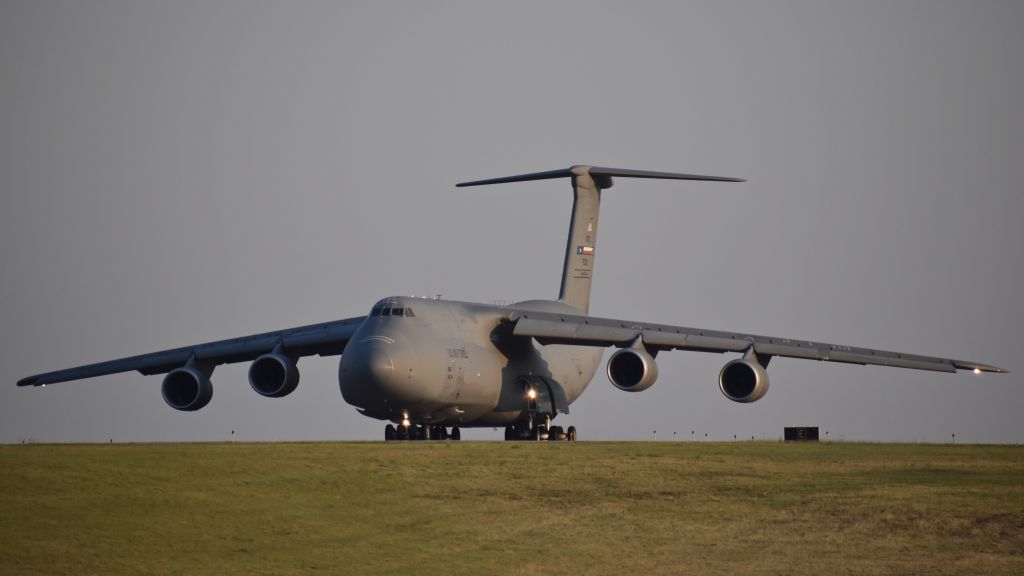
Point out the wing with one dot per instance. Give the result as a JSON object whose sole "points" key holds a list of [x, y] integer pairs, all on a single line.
{"points": [[325, 339], [552, 328]]}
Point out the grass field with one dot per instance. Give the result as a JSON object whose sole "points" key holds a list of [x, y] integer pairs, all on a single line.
{"points": [[516, 508]]}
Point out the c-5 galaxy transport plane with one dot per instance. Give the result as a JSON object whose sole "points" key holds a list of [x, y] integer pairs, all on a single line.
{"points": [[429, 365]]}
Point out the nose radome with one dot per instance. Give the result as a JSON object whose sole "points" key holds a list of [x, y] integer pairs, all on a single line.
{"points": [[379, 364], [385, 364]]}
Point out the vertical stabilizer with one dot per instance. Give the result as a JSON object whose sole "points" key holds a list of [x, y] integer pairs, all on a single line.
{"points": [[581, 247]]}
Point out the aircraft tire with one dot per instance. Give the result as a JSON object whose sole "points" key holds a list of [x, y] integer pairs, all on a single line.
{"points": [[570, 434], [390, 434], [456, 434]]}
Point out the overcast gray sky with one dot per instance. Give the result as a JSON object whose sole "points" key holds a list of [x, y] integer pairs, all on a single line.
{"points": [[174, 173]]}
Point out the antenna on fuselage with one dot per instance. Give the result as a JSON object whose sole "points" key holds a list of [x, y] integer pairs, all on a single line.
{"points": [[587, 183]]}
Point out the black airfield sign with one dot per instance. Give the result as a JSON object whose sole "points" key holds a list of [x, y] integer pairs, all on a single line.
{"points": [[801, 434]]}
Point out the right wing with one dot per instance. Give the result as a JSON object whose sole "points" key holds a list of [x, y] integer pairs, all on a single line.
{"points": [[324, 339], [553, 328]]}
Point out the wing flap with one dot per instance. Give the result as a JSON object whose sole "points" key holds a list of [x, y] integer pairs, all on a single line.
{"points": [[702, 343], [788, 351], [549, 331]]}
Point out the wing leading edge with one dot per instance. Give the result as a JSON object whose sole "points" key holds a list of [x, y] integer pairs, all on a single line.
{"points": [[324, 339], [551, 328]]}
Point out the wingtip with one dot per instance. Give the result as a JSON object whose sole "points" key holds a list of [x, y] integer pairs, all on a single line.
{"points": [[980, 368], [30, 381]]}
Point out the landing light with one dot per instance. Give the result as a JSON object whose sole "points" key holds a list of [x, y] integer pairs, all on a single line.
{"points": [[532, 394], [405, 422], [977, 370]]}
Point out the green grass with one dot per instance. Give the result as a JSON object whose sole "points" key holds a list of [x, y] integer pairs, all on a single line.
{"points": [[518, 508]]}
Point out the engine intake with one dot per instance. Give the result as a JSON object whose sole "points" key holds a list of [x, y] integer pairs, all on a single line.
{"points": [[743, 380], [274, 375], [187, 389], [632, 370]]}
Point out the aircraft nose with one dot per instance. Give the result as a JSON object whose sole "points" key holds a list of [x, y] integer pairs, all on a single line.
{"points": [[382, 364]]}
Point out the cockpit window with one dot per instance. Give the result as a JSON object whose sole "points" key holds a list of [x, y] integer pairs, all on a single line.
{"points": [[385, 310]]}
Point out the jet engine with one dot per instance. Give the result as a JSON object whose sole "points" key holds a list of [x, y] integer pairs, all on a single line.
{"points": [[274, 375], [187, 388], [632, 370], [743, 380]]}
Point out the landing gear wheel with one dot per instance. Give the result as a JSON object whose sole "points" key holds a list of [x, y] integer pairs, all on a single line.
{"points": [[539, 432], [428, 433], [456, 434], [570, 434], [403, 432], [555, 433], [442, 433], [390, 433], [510, 433]]}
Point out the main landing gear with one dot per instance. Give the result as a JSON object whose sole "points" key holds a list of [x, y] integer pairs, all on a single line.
{"points": [[424, 432], [544, 399], [539, 432]]}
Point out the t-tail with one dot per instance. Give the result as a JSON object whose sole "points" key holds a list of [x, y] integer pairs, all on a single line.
{"points": [[581, 246]]}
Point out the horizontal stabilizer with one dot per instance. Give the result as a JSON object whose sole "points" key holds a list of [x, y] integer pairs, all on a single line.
{"points": [[598, 171], [626, 173]]}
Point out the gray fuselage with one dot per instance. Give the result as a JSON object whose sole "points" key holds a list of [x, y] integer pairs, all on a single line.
{"points": [[454, 363]]}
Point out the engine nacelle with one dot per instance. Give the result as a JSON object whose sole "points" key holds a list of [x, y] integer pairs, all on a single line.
{"points": [[743, 380], [187, 389], [274, 375], [632, 370]]}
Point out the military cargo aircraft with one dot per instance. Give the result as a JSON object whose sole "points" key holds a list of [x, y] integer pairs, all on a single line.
{"points": [[431, 366]]}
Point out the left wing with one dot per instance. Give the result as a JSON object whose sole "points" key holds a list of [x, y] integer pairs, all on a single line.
{"points": [[325, 339], [553, 328]]}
